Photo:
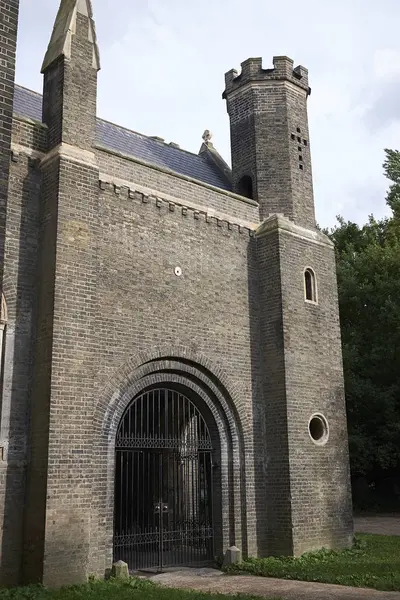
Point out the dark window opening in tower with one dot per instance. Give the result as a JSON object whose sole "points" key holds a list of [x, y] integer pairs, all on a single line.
{"points": [[310, 285], [245, 187]]}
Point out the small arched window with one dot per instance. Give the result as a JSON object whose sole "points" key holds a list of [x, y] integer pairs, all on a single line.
{"points": [[245, 186], [310, 285]]}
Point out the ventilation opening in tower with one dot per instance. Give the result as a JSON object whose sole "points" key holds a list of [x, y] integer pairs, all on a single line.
{"points": [[245, 186]]}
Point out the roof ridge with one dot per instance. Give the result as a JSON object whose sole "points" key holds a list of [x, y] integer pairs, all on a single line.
{"points": [[119, 138], [23, 87], [148, 137]]}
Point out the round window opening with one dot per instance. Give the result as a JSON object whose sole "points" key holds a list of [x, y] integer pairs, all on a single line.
{"points": [[318, 429]]}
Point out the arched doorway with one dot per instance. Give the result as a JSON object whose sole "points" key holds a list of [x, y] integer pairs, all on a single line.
{"points": [[163, 512]]}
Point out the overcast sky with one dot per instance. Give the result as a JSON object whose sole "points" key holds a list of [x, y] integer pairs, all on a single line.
{"points": [[163, 65]]}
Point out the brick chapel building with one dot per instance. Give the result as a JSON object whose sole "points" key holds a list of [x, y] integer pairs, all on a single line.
{"points": [[171, 367]]}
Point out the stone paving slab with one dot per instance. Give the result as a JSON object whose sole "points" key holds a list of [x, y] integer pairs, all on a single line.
{"points": [[381, 524], [266, 587]]}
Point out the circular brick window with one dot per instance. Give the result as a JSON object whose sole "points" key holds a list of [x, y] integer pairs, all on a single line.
{"points": [[318, 429]]}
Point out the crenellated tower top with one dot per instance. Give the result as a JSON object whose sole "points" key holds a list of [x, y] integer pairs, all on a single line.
{"points": [[252, 71]]}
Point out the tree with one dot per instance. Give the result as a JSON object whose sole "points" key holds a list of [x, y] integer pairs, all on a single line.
{"points": [[392, 171], [368, 261]]}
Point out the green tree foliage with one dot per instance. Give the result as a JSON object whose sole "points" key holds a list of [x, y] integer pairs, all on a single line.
{"points": [[368, 261], [392, 172]]}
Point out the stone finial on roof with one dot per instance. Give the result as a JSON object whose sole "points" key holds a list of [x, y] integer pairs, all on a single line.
{"points": [[207, 136], [209, 153], [65, 28]]}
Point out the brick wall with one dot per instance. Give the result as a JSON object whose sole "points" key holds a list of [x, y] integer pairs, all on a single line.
{"points": [[74, 361], [145, 307], [19, 286], [319, 475], [309, 490], [35, 504], [8, 45], [275, 514], [30, 134], [116, 296], [112, 165], [20, 217]]}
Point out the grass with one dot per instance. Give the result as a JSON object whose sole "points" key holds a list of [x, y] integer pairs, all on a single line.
{"points": [[373, 562], [132, 589]]}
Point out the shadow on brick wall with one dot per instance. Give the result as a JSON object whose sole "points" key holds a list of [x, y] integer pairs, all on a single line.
{"points": [[258, 409], [20, 274]]}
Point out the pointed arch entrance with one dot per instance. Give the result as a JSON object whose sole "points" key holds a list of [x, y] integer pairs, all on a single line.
{"points": [[165, 449]]}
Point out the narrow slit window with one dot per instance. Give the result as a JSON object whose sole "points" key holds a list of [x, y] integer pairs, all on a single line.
{"points": [[310, 285]]}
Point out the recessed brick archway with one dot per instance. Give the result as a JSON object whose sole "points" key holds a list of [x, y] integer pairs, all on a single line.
{"points": [[210, 390]]}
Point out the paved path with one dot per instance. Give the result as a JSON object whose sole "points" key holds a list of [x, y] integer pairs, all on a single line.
{"points": [[383, 524], [210, 580]]}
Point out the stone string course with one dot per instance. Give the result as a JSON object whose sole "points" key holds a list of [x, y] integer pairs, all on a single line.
{"points": [[133, 191]]}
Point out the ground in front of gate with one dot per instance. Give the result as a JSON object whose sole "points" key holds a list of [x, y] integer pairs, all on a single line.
{"points": [[267, 588], [375, 562], [134, 589]]}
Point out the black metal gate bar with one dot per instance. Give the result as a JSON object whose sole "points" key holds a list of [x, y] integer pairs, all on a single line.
{"points": [[163, 483]]}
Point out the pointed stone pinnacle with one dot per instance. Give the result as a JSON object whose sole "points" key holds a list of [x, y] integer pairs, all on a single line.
{"points": [[65, 28]]}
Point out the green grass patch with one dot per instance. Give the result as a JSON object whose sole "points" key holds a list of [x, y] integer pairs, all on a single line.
{"points": [[373, 562], [132, 589]]}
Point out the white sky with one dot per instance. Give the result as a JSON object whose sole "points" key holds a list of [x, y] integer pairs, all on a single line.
{"points": [[163, 66]]}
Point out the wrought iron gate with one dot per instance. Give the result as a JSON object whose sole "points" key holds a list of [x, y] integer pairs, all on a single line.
{"points": [[163, 483]]}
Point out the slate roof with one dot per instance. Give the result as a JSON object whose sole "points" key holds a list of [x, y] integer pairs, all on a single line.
{"points": [[29, 104]]}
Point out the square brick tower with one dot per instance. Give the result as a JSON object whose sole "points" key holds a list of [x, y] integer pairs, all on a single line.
{"points": [[306, 456], [59, 484]]}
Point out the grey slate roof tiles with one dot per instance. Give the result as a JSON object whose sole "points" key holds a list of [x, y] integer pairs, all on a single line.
{"points": [[29, 104]]}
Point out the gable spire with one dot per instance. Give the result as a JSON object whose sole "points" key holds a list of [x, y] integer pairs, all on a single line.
{"points": [[65, 28]]}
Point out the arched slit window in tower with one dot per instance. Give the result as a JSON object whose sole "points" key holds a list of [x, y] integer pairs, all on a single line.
{"points": [[310, 285], [245, 186]]}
